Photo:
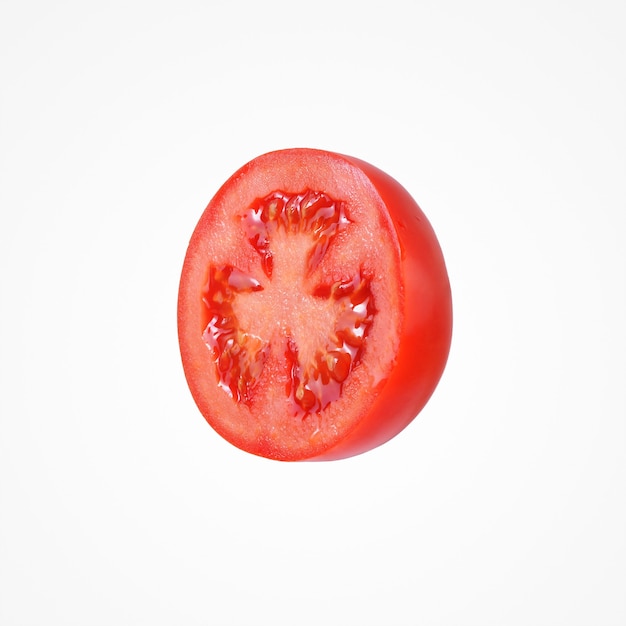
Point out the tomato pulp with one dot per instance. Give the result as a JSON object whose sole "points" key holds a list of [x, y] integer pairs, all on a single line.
{"points": [[314, 310]]}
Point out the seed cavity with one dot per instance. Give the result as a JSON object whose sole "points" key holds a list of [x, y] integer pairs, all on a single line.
{"points": [[314, 385], [239, 356], [309, 212]]}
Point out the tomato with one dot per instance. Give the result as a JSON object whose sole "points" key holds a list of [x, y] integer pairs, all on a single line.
{"points": [[314, 310]]}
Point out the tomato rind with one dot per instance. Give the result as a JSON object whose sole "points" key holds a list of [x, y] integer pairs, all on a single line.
{"points": [[427, 322]]}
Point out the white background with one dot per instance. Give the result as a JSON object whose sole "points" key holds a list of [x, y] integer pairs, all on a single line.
{"points": [[503, 503]]}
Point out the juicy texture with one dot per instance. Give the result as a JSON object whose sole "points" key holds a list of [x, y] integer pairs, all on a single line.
{"points": [[311, 212], [239, 356], [319, 357]]}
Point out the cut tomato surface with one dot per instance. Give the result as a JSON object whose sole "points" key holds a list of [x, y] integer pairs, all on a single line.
{"points": [[314, 310]]}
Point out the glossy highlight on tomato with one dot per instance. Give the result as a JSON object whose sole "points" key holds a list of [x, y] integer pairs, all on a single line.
{"points": [[314, 309]]}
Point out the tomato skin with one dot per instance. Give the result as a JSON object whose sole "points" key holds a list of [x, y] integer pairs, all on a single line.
{"points": [[425, 334], [427, 331]]}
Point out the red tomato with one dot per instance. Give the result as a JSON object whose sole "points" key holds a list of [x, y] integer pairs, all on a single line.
{"points": [[314, 310]]}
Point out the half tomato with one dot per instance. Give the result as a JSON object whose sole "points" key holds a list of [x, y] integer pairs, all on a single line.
{"points": [[314, 311]]}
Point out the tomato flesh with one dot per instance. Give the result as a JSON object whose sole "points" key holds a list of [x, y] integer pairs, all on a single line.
{"points": [[297, 309]]}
